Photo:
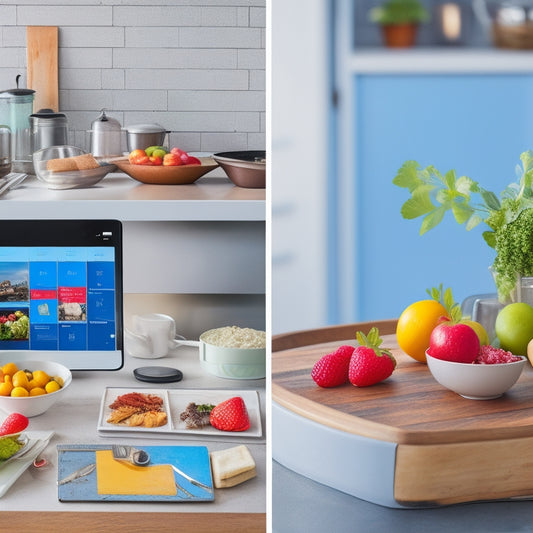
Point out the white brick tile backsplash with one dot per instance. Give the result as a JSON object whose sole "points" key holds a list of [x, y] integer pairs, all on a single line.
{"points": [[91, 37], [251, 58], [165, 58], [79, 78], [197, 67], [154, 15], [85, 57], [187, 79], [218, 16], [155, 37], [50, 15], [113, 78], [257, 80], [216, 100], [257, 17], [14, 36], [8, 15], [224, 142], [220, 37]]}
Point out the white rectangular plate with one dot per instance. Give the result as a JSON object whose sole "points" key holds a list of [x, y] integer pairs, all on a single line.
{"points": [[174, 402], [12, 470]]}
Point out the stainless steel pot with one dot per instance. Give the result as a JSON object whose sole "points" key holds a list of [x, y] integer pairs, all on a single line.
{"points": [[141, 136]]}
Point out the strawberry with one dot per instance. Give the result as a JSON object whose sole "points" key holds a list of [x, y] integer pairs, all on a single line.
{"points": [[14, 423], [331, 370], [370, 364], [230, 415]]}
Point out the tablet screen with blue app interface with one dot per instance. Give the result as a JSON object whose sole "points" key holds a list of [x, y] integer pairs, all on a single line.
{"points": [[64, 302]]}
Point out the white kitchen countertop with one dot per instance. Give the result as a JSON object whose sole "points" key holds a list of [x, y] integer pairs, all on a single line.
{"points": [[74, 420], [121, 197]]}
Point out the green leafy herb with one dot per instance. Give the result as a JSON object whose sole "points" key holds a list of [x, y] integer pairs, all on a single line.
{"points": [[446, 299], [434, 194]]}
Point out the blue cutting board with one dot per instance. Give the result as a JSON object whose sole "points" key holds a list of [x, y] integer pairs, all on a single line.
{"points": [[193, 460]]}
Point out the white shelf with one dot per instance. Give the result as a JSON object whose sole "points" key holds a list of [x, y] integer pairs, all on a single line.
{"points": [[440, 60], [120, 197]]}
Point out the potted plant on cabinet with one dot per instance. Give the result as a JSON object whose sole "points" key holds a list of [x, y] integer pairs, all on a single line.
{"points": [[399, 21]]}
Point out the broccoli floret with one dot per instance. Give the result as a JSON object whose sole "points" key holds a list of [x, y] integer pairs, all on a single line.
{"points": [[514, 249]]}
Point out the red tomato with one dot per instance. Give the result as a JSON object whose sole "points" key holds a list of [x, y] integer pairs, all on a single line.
{"points": [[191, 160]]}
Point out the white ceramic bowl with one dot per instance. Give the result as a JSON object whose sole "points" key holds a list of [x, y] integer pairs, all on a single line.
{"points": [[36, 405], [473, 381]]}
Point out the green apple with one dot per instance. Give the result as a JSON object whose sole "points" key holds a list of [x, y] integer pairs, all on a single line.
{"points": [[514, 327]]}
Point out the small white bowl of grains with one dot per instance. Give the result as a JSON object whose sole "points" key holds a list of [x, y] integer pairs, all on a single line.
{"points": [[232, 352]]}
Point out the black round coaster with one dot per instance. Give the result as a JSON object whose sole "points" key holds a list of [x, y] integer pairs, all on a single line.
{"points": [[158, 374]]}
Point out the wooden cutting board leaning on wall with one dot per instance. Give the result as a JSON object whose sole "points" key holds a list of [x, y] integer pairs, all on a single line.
{"points": [[42, 53]]}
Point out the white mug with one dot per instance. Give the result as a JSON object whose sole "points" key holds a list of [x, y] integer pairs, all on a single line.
{"points": [[154, 336]]}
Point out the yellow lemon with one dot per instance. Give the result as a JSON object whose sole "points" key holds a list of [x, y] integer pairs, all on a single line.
{"points": [[19, 392], [37, 391], [41, 377], [20, 379], [10, 369], [6, 387], [52, 386]]}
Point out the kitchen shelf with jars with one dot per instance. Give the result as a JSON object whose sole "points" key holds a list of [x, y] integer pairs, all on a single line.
{"points": [[447, 36]]}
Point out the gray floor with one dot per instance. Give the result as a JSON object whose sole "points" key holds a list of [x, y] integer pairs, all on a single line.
{"points": [[299, 504]]}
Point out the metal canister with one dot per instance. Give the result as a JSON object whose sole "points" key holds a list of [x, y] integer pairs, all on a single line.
{"points": [[48, 129], [106, 136]]}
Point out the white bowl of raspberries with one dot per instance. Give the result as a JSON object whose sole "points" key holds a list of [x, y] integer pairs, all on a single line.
{"points": [[489, 376]]}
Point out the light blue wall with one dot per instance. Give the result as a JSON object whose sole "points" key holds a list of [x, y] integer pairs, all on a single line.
{"points": [[477, 124]]}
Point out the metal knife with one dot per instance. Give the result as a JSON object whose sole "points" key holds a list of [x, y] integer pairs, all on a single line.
{"points": [[81, 472], [191, 480]]}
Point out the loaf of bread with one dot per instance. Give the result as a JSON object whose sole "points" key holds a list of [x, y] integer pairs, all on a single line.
{"points": [[232, 466], [78, 162]]}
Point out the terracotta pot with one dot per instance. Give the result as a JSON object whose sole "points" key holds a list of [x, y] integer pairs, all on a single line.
{"points": [[399, 35]]}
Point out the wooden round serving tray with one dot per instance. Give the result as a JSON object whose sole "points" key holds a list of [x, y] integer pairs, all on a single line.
{"points": [[447, 449]]}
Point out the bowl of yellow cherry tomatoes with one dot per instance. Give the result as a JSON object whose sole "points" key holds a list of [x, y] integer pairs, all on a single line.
{"points": [[157, 165], [31, 387]]}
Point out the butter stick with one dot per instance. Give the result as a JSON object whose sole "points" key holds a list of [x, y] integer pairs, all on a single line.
{"points": [[78, 162], [232, 466]]}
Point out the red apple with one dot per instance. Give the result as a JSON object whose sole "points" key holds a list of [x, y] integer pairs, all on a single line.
{"points": [[454, 342]]}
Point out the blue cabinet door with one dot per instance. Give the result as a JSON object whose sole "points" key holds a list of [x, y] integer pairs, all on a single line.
{"points": [[476, 124]]}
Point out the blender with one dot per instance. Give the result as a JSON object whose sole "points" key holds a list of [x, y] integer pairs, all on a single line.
{"points": [[16, 106]]}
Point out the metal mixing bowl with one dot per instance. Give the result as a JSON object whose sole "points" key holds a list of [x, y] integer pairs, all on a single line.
{"points": [[245, 168]]}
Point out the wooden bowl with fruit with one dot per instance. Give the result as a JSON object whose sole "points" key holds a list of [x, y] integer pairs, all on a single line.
{"points": [[31, 387], [156, 165]]}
